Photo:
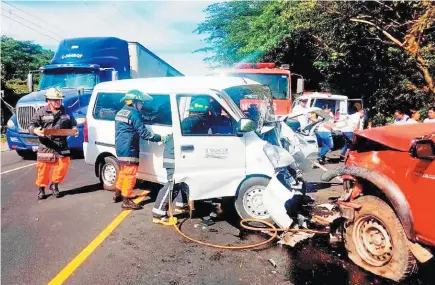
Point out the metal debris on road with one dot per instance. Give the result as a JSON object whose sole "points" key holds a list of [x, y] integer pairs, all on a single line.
{"points": [[271, 261]]}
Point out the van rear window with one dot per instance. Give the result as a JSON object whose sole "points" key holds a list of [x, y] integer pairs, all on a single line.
{"points": [[155, 112]]}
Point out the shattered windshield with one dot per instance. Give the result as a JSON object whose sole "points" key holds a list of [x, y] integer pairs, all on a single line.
{"points": [[255, 101]]}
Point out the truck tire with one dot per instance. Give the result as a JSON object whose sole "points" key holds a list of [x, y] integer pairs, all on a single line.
{"points": [[377, 242], [249, 203], [109, 170]]}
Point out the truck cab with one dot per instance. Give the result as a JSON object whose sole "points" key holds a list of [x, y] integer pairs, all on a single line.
{"points": [[337, 103], [77, 66], [278, 80]]}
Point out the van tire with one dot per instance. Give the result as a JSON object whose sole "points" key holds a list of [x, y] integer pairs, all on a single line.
{"points": [[376, 241], [109, 170], [249, 196], [26, 154]]}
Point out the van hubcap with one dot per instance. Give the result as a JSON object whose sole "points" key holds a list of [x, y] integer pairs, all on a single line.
{"points": [[253, 203], [109, 174], [373, 242]]}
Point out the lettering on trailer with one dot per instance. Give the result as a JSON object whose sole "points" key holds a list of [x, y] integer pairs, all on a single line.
{"points": [[76, 55], [220, 153]]}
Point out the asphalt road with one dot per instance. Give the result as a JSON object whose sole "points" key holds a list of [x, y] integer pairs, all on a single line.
{"points": [[39, 238]]}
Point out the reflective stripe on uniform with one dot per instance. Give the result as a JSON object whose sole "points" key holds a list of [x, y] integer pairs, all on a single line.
{"points": [[46, 118], [43, 154], [65, 151], [159, 212], [168, 160], [128, 159], [122, 119]]}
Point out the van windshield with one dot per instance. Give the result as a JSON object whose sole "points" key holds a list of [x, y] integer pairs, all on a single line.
{"points": [[255, 101], [68, 78]]}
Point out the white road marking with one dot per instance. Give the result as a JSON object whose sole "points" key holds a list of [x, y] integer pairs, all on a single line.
{"points": [[18, 168]]}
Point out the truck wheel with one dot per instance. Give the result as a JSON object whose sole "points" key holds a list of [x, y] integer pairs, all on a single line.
{"points": [[377, 242], [249, 202], [109, 170]]}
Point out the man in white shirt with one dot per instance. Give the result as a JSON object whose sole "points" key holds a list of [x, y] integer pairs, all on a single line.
{"points": [[302, 107], [352, 125], [430, 116], [400, 117], [324, 137]]}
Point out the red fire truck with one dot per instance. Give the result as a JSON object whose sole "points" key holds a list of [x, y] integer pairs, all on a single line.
{"points": [[278, 79]]}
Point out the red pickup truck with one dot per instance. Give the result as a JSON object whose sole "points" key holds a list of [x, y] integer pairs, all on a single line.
{"points": [[389, 199]]}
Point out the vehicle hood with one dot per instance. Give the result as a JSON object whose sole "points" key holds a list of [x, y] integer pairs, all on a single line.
{"points": [[39, 96], [398, 137]]}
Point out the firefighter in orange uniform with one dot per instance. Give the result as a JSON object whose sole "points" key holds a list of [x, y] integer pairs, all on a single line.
{"points": [[53, 151], [129, 128]]}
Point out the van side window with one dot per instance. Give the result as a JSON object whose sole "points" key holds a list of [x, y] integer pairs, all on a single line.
{"points": [[204, 116], [107, 105], [154, 112], [158, 111]]}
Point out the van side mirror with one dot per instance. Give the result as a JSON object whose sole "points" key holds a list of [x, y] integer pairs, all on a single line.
{"points": [[245, 125], [423, 149], [300, 86], [114, 75], [30, 82]]}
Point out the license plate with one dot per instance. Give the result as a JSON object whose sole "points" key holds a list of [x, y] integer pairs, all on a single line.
{"points": [[35, 148]]}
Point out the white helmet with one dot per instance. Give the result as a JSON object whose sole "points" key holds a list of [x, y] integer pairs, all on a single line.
{"points": [[54, 93]]}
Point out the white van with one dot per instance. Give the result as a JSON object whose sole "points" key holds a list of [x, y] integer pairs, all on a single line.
{"points": [[337, 103], [229, 160]]}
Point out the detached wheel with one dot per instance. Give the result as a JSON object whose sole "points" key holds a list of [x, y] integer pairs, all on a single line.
{"points": [[377, 242], [249, 202], [109, 170]]}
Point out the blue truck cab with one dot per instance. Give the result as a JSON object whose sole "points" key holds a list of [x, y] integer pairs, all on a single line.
{"points": [[77, 66]]}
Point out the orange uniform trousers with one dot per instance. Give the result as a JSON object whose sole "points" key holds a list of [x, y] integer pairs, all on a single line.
{"points": [[127, 179], [60, 166]]}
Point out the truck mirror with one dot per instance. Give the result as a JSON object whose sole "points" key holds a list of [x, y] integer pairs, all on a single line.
{"points": [[81, 90], [30, 82], [114, 75], [423, 149], [300, 86]]}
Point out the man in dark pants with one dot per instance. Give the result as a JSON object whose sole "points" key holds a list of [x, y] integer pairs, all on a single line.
{"points": [[53, 151], [179, 193]]}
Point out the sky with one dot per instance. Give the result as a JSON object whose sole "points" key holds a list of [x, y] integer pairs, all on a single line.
{"points": [[164, 27]]}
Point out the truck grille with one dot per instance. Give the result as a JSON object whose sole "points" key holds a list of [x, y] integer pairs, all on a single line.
{"points": [[24, 115]]}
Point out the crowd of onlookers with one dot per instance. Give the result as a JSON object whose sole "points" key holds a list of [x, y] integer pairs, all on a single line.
{"points": [[414, 117], [347, 127]]}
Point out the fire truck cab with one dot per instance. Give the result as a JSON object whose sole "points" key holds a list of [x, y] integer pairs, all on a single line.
{"points": [[278, 80]]}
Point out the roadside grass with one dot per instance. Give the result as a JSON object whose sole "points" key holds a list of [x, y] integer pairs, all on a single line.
{"points": [[3, 138]]}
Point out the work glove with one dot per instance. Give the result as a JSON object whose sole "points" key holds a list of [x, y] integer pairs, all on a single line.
{"points": [[39, 132], [165, 139]]}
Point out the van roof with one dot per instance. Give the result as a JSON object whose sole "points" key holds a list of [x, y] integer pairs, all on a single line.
{"points": [[167, 84]]}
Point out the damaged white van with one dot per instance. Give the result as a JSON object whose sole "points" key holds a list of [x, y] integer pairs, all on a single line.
{"points": [[230, 159]]}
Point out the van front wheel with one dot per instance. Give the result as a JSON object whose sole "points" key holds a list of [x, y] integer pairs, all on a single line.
{"points": [[249, 201], [109, 170]]}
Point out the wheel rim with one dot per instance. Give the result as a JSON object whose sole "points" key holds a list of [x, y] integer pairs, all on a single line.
{"points": [[373, 241], [253, 202], [109, 174]]}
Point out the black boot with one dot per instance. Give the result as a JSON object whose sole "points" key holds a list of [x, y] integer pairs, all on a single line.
{"points": [[117, 197], [128, 203], [41, 193], [54, 188]]}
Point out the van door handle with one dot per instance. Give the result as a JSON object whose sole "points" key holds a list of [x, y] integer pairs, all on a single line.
{"points": [[187, 147]]}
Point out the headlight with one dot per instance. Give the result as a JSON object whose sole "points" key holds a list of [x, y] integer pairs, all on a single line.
{"points": [[278, 156], [11, 124], [80, 121]]}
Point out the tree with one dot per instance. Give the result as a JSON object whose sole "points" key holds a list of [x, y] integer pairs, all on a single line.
{"points": [[322, 41], [18, 58]]}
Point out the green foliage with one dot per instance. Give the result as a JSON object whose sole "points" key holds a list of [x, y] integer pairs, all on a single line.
{"points": [[334, 53], [18, 58]]}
